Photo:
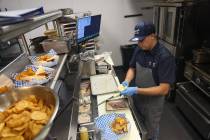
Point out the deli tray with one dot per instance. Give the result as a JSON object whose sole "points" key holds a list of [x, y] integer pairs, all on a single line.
{"points": [[116, 104]]}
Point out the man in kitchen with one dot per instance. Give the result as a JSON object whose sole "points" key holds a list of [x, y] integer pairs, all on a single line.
{"points": [[153, 68]]}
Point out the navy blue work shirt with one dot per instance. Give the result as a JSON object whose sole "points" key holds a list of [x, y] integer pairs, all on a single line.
{"points": [[159, 59]]}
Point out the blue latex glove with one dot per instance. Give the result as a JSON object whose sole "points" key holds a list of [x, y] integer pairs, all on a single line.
{"points": [[125, 83], [129, 91]]}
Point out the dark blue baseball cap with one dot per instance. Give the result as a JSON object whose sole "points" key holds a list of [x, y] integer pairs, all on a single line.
{"points": [[143, 29]]}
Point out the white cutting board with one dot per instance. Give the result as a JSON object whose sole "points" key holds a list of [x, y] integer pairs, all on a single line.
{"points": [[102, 84]]}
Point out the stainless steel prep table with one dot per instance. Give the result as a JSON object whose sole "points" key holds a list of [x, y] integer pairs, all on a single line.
{"points": [[131, 111]]}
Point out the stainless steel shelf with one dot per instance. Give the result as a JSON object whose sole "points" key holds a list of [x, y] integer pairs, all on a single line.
{"points": [[176, 3], [10, 31], [20, 62]]}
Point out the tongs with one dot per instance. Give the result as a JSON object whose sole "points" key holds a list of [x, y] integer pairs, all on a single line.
{"points": [[112, 97]]}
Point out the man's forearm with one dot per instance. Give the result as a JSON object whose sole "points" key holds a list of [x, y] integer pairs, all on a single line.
{"points": [[162, 89], [130, 75]]}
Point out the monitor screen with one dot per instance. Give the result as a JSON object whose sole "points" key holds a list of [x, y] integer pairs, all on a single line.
{"points": [[88, 27]]}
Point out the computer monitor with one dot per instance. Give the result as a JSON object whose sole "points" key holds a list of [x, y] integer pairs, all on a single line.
{"points": [[88, 28]]}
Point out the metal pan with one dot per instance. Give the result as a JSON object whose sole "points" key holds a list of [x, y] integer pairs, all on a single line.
{"points": [[41, 92]]}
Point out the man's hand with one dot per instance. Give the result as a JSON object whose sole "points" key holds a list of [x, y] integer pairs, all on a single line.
{"points": [[125, 83], [129, 91]]}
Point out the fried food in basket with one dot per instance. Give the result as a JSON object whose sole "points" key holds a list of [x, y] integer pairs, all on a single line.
{"points": [[29, 74], [4, 89], [23, 75], [24, 119], [119, 125], [46, 58]]}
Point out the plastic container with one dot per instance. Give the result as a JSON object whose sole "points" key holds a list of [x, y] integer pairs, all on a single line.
{"points": [[83, 133]]}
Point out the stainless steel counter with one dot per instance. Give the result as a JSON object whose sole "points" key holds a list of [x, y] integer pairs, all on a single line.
{"points": [[95, 113], [14, 30], [65, 126]]}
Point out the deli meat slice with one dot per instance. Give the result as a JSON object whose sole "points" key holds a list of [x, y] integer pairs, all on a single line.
{"points": [[117, 104]]}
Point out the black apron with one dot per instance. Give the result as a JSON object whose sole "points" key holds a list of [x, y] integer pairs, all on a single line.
{"points": [[149, 107]]}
